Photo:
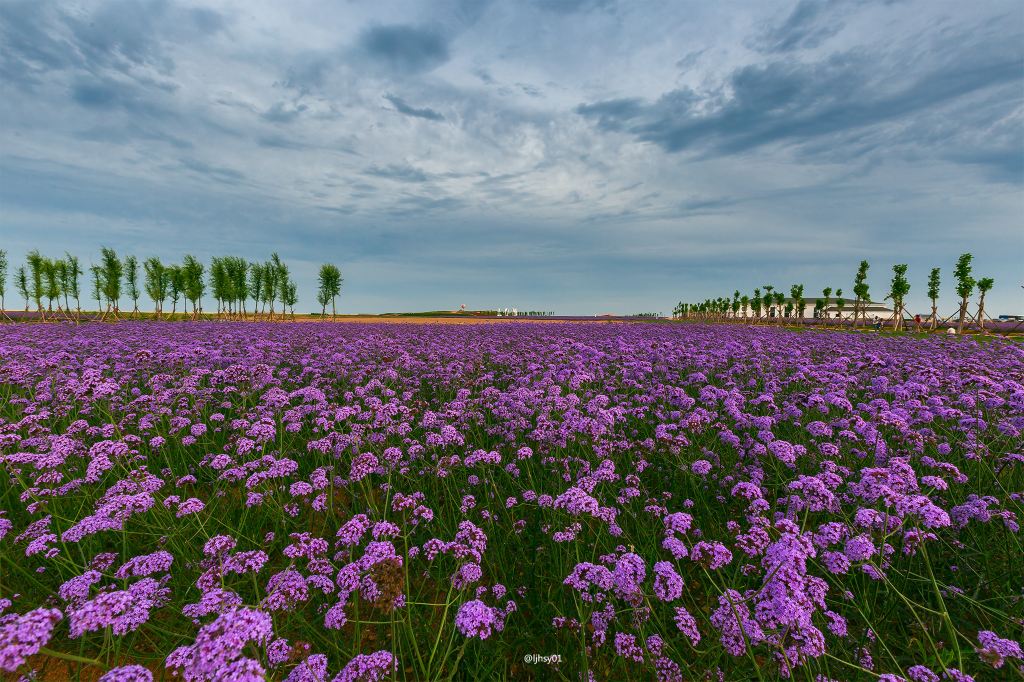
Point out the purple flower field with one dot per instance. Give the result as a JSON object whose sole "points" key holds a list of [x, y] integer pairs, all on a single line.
{"points": [[314, 501]]}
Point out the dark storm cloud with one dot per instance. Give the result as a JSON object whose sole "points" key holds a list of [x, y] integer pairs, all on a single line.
{"points": [[793, 102], [402, 107], [405, 49]]}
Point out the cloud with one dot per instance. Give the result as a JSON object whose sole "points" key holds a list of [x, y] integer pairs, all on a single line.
{"points": [[402, 107], [704, 205], [572, 6], [794, 102], [119, 36], [283, 112], [402, 173], [216, 173], [614, 114], [584, 143], [405, 49], [810, 24], [279, 142]]}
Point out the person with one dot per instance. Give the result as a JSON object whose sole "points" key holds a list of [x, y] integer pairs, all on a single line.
{"points": [[878, 323], [917, 322]]}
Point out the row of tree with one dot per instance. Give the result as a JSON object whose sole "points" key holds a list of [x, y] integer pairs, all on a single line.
{"points": [[775, 305], [53, 283]]}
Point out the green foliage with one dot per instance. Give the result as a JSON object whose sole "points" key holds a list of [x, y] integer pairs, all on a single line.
{"points": [[193, 284], [156, 281], [962, 273], [860, 284], [175, 283], [933, 284], [21, 282], [111, 272], [900, 287], [131, 279], [73, 271], [799, 304], [37, 267]]}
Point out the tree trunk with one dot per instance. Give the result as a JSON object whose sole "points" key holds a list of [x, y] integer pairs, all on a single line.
{"points": [[963, 315], [334, 311], [981, 312]]}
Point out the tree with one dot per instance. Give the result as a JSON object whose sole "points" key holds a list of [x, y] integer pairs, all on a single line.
{"points": [[933, 294], [256, 286], [767, 299], [827, 297], [744, 304], [269, 286], [840, 303], [21, 281], [131, 281], [799, 304], [175, 285], [237, 270], [112, 271], [155, 281], [74, 272], [964, 286], [289, 296], [860, 291], [780, 298], [755, 304], [52, 278], [37, 266], [898, 290], [281, 277], [984, 285], [3, 282], [97, 285], [64, 281], [193, 284], [330, 286], [323, 299], [218, 283]]}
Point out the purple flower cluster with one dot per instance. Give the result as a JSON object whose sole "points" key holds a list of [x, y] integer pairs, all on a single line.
{"points": [[666, 501]]}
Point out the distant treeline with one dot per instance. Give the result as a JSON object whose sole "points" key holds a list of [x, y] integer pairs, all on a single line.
{"points": [[52, 284], [774, 304]]}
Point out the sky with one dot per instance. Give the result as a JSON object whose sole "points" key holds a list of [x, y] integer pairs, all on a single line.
{"points": [[575, 156]]}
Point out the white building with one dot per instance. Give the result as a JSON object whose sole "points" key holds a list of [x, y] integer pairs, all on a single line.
{"points": [[872, 309]]}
